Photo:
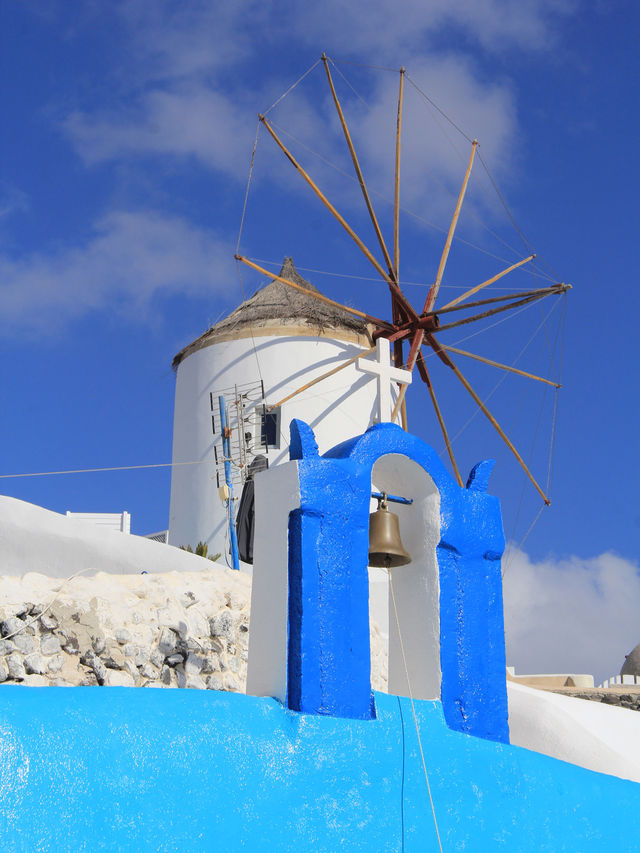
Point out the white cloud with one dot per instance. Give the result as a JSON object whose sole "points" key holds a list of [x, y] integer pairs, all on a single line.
{"points": [[391, 29], [131, 259], [199, 123], [573, 615], [187, 95]]}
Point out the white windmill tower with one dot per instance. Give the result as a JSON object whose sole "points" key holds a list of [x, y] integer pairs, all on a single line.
{"points": [[279, 340]]}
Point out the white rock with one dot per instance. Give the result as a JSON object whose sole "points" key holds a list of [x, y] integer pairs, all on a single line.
{"points": [[230, 683], [48, 621], [123, 636], [156, 657], [141, 655], [16, 667], [6, 647], [35, 664], [194, 682], [55, 663], [24, 643], [148, 670], [50, 645], [168, 641], [194, 664], [4, 671], [118, 678], [35, 681]]}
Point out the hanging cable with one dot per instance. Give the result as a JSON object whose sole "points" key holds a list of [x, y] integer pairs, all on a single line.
{"points": [[100, 470], [413, 711], [291, 88]]}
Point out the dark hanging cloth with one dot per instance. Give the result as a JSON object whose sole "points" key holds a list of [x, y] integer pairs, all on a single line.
{"points": [[246, 512]]}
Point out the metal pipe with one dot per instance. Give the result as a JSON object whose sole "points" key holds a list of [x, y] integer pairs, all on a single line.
{"points": [[395, 499], [226, 449]]}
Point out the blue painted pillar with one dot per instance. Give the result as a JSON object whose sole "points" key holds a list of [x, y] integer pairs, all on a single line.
{"points": [[329, 669]]}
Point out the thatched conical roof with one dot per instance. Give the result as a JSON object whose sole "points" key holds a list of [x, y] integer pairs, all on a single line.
{"points": [[279, 309]]}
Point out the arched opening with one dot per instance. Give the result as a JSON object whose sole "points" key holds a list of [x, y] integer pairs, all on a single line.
{"points": [[416, 616]]}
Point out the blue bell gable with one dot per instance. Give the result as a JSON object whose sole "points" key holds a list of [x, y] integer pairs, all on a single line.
{"points": [[328, 660]]}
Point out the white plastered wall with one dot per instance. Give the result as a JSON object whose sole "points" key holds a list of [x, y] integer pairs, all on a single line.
{"points": [[337, 408], [590, 734], [277, 494], [416, 586], [34, 539]]}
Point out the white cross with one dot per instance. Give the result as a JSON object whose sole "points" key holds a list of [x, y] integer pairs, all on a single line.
{"points": [[386, 375]]}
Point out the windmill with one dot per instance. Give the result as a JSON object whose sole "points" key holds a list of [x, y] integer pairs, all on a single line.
{"points": [[419, 329]]}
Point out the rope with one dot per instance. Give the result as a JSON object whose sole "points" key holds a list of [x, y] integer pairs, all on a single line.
{"points": [[512, 551], [372, 278], [441, 111], [413, 711], [292, 87], [246, 192], [99, 470], [362, 65], [353, 89]]}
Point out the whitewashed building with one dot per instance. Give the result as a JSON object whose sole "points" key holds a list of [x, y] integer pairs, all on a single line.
{"points": [[271, 345]]}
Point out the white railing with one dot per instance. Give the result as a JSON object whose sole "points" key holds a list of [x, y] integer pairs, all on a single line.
{"points": [[616, 680]]}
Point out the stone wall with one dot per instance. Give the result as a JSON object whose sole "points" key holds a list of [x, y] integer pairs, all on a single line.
{"points": [[620, 696], [178, 629], [175, 629]]}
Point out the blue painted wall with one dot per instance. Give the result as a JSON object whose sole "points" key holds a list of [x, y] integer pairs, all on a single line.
{"points": [[90, 769], [329, 655]]}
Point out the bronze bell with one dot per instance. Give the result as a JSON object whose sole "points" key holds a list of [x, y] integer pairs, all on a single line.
{"points": [[385, 545]]}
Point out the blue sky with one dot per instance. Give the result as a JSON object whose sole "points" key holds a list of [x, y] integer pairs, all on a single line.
{"points": [[127, 133]]}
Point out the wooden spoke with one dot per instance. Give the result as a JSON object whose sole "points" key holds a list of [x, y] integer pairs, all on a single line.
{"points": [[556, 289], [411, 360], [392, 284], [446, 360], [491, 313], [326, 375], [422, 369], [433, 292], [486, 283], [501, 366], [396, 204], [314, 295], [359, 174]]}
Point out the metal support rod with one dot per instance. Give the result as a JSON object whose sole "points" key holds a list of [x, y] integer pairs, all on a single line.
{"points": [[226, 449], [395, 499]]}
